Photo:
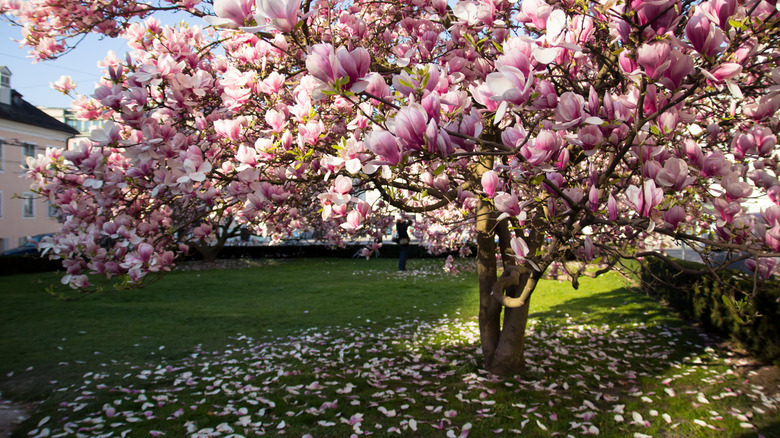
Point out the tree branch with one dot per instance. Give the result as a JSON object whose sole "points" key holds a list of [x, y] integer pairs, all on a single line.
{"points": [[511, 277]]}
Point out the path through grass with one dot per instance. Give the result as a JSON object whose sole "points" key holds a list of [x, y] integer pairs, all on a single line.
{"points": [[336, 347]]}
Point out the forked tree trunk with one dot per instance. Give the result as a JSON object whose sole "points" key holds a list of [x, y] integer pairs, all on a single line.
{"points": [[503, 345], [209, 253]]}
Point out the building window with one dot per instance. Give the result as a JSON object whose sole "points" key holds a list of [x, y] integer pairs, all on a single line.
{"points": [[2, 203], [28, 205], [51, 210], [28, 150], [2, 155]]}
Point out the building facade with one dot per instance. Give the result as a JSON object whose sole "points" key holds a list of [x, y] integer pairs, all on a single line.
{"points": [[25, 131]]}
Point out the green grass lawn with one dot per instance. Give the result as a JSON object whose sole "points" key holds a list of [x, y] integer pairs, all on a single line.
{"points": [[330, 347]]}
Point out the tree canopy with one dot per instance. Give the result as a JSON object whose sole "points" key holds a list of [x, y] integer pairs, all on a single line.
{"points": [[562, 129]]}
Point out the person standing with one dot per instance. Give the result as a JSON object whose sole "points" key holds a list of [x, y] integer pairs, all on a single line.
{"points": [[402, 234]]}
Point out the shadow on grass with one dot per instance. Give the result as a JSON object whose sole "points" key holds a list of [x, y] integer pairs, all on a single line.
{"points": [[768, 431], [616, 306]]}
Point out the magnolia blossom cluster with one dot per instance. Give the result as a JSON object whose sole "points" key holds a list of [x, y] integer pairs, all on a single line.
{"points": [[587, 126]]}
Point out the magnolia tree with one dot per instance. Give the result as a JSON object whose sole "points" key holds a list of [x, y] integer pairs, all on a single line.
{"points": [[544, 132]]}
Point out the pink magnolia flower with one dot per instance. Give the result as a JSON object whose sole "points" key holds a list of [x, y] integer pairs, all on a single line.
{"points": [[441, 182], [774, 194], [765, 267], [659, 15], [627, 64], [276, 120], [449, 267], [704, 36], [535, 12], [282, 14], [377, 86], [230, 13], [323, 64], [734, 188], [541, 149], [612, 207], [673, 217], [765, 107], [385, 145], [519, 247], [490, 182], [714, 164], [548, 97], [771, 215], [719, 11], [654, 58], [411, 123], [593, 198], [590, 137], [203, 231], [723, 72], [247, 155], [193, 166], [353, 64], [353, 222], [772, 238], [406, 83], [471, 125], [589, 249], [508, 205], [570, 110], [674, 174], [342, 185], [644, 199], [727, 210], [680, 67], [64, 84], [509, 85], [229, 128], [521, 250], [273, 193]]}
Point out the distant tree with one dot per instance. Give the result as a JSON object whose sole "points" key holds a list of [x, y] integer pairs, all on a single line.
{"points": [[568, 129]]}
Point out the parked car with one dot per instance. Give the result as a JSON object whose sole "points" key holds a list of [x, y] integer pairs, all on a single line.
{"points": [[28, 248]]}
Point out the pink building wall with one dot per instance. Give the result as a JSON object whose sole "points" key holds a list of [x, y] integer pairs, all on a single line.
{"points": [[14, 226]]}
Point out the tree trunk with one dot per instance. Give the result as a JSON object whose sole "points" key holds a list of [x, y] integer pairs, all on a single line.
{"points": [[503, 345], [489, 308], [210, 252]]}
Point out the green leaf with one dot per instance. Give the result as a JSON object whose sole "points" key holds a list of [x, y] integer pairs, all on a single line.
{"points": [[537, 179], [425, 79], [654, 129], [405, 83], [738, 24], [439, 170]]}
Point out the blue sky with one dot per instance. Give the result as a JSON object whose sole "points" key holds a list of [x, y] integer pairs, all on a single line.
{"points": [[32, 79]]}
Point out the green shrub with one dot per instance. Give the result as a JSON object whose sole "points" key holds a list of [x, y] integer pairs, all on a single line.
{"points": [[701, 299], [25, 264]]}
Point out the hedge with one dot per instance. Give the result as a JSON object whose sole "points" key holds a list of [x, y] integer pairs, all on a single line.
{"points": [[27, 264], [388, 250], [700, 298], [10, 265]]}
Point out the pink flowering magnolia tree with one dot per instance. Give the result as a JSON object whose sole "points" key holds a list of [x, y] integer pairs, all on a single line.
{"points": [[558, 130]]}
